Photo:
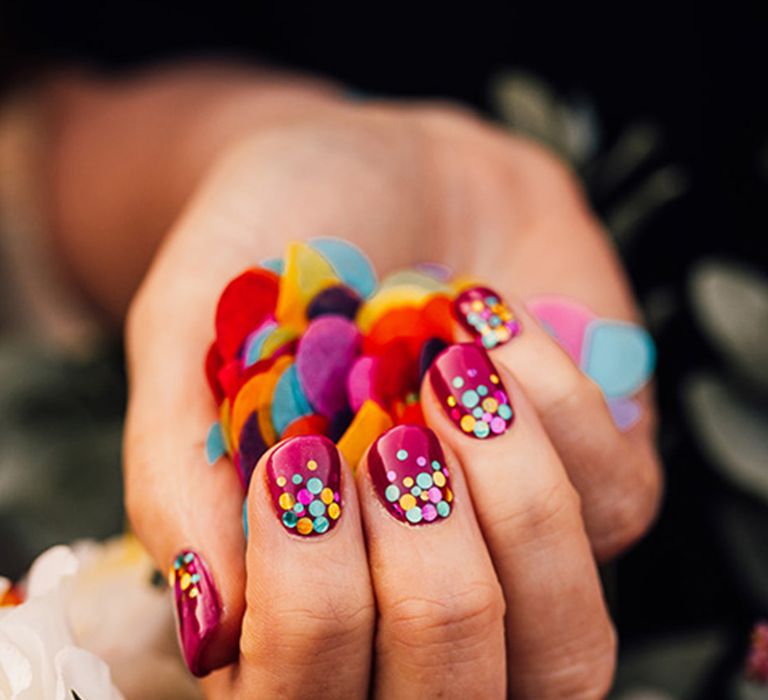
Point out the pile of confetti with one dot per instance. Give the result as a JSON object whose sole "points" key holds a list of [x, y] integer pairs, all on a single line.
{"points": [[313, 344]]}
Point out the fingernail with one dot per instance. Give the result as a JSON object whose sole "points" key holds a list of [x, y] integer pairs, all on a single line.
{"points": [[304, 476], [484, 314], [471, 392], [198, 607], [409, 474]]}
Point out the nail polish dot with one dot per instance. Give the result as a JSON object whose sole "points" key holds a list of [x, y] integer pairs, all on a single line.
{"points": [[416, 491], [494, 379], [316, 508], [402, 455], [298, 508], [429, 512], [505, 411], [435, 495], [408, 482], [451, 401], [289, 519], [435, 464], [334, 511], [443, 509], [297, 479], [490, 405], [414, 515], [304, 526], [392, 493], [312, 465], [326, 496], [424, 480], [421, 461], [407, 501], [391, 476], [439, 479], [470, 398], [477, 412], [321, 524], [286, 501], [481, 429], [305, 497], [281, 481], [498, 426], [314, 485], [467, 423]]}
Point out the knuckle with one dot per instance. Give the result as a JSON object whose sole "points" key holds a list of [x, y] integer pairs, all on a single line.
{"points": [[320, 631], [432, 628], [539, 512]]}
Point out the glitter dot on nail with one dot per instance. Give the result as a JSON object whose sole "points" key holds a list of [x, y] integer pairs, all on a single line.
{"points": [[439, 479], [314, 485], [421, 461], [505, 411], [481, 429], [424, 480], [286, 500], [392, 493], [451, 401], [458, 382], [467, 423], [498, 426], [477, 412], [435, 495], [304, 526], [435, 464], [281, 481], [298, 508], [408, 482], [407, 501], [297, 479], [326, 496], [289, 519], [321, 524], [312, 465], [490, 405], [494, 378], [316, 508], [304, 496], [429, 512], [334, 511], [414, 515], [402, 455], [416, 491], [391, 476], [470, 398]]}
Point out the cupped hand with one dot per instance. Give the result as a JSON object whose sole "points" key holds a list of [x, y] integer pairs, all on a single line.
{"points": [[500, 595]]}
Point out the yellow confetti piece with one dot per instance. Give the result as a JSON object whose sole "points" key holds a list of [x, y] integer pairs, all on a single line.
{"points": [[370, 422], [391, 298], [276, 339], [306, 273]]}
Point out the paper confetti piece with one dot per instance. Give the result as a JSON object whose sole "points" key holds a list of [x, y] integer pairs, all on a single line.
{"points": [[288, 401], [351, 265], [370, 422], [323, 358], [307, 272], [244, 304], [214, 444]]}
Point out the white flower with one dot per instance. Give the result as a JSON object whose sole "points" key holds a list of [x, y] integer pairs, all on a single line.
{"points": [[38, 656]]}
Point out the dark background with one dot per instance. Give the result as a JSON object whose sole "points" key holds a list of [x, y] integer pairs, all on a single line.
{"points": [[698, 74]]}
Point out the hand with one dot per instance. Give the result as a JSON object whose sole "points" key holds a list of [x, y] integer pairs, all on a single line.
{"points": [[405, 185], [282, 158]]}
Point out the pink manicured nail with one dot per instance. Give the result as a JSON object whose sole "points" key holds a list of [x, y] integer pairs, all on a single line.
{"points": [[484, 314], [470, 391], [408, 472], [198, 607], [304, 477]]}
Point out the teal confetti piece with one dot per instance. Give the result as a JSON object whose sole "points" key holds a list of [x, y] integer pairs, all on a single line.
{"points": [[214, 444]]}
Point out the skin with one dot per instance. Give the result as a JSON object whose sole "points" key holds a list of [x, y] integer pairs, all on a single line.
{"points": [[502, 598]]}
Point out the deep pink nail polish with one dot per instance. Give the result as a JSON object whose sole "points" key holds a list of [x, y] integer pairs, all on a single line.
{"points": [[484, 314], [304, 479], [198, 608], [409, 474], [470, 391]]}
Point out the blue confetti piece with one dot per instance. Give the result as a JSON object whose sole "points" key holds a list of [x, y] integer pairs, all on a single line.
{"points": [[245, 518], [619, 356], [349, 263], [288, 401], [254, 343], [214, 444], [275, 264]]}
